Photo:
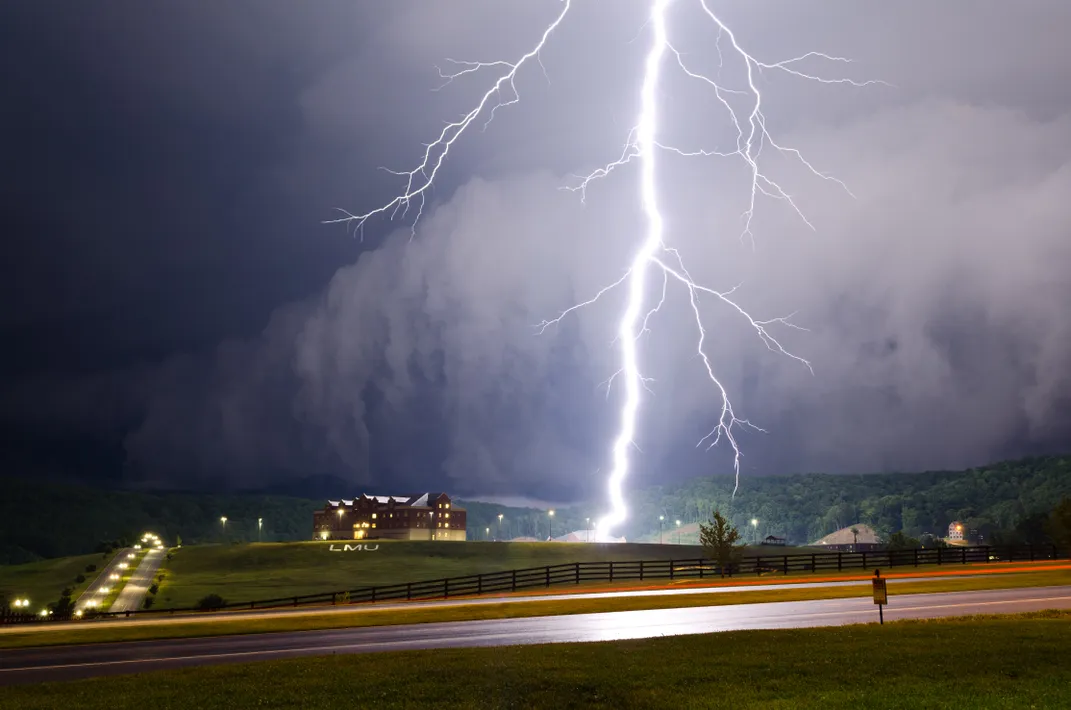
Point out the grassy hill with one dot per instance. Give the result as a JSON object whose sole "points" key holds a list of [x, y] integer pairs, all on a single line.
{"points": [[262, 571], [41, 582]]}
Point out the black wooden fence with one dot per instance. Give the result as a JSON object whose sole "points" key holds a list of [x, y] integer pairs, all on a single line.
{"points": [[577, 573]]}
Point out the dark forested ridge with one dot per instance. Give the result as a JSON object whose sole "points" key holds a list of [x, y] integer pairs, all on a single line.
{"points": [[805, 507], [39, 519]]}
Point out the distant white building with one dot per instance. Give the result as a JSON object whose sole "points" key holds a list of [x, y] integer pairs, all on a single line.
{"points": [[585, 536], [956, 531]]}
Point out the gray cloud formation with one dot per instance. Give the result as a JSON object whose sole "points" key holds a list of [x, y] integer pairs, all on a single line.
{"points": [[934, 299]]}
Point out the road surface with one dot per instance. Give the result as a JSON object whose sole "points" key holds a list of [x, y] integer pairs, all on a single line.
{"points": [[214, 617], [130, 599], [92, 592], [71, 662]]}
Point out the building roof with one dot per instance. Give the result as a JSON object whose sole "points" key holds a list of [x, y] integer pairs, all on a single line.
{"points": [[417, 501], [844, 536]]}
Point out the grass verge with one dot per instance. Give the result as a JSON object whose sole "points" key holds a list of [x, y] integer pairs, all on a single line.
{"points": [[312, 620], [43, 581], [988, 663]]}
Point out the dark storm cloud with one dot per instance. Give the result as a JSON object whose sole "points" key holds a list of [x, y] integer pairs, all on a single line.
{"points": [[933, 299]]}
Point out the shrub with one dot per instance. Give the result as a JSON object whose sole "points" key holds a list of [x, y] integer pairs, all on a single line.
{"points": [[149, 601], [91, 568], [211, 603], [154, 588], [79, 579]]}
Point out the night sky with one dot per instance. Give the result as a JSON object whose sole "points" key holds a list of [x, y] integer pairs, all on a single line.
{"points": [[176, 314]]}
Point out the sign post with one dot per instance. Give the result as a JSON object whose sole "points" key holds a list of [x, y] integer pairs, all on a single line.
{"points": [[881, 594]]}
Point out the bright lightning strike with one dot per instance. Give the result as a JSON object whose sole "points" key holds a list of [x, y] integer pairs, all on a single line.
{"points": [[653, 254]]}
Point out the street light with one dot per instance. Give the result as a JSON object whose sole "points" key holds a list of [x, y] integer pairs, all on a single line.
{"points": [[550, 524], [755, 525], [500, 526], [587, 524], [260, 526], [678, 532], [487, 532], [660, 519]]}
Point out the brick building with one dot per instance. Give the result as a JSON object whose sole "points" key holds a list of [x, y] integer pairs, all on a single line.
{"points": [[430, 516]]}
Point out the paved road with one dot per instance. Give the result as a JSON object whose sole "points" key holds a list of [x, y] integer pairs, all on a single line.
{"points": [[214, 617], [92, 591], [130, 599], [70, 662]]}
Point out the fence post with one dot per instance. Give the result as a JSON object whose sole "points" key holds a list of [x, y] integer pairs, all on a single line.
{"points": [[840, 560], [641, 570], [333, 602], [671, 569], [864, 559], [758, 566], [479, 584], [514, 580], [446, 589], [578, 573], [295, 601], [814, 562], [700, 565], [939, 562], [611, 570], [409, 591], [916, 557], [548, 575], [786, 564], [1030, 549], [963, 555], [373, 594]]}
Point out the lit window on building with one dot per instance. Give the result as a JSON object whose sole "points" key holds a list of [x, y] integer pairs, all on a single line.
{"points": [[374, 516]]}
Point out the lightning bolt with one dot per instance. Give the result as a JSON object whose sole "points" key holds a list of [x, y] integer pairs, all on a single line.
{"points": [[643, 145]]}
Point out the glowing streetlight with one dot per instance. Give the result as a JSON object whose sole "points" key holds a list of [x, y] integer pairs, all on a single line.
{"points": [[755, 526], [550, 523], [661, 518], [487, 533], [260, 527], [678, 532], [500, 525]]}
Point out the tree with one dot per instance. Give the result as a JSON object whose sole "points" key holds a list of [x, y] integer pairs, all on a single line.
{"points": [[1059, 524], [178, 541], [899, 541], [855, 536], [720, 541]]}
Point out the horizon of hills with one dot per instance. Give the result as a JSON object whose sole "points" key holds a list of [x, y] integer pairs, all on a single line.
{"points": [[41, 519]]}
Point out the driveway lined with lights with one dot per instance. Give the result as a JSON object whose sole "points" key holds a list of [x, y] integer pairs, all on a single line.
{"points": [[133, 594], [96, 592], [70, 662]]}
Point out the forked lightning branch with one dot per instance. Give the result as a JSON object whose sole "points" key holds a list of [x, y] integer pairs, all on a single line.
{"points": [[652, 254]]}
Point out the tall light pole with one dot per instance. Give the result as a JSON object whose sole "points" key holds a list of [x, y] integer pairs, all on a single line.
{"points": [[587, 525], [550, 524], [500, 526], [755, 528], [678, 532], [260, 527], [223, 525], [431, 525], [661, 519]]}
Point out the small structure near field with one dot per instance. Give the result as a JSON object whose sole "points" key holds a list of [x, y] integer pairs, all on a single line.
{"points": [[854, 538]]}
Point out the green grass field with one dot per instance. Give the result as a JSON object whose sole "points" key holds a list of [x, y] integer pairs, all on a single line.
{"points": [[985, 663], [308, 620], [264, 571], [43, 581]]}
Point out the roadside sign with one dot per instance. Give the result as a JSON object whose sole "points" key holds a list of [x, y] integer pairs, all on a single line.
{"points": [[881, 594]]}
